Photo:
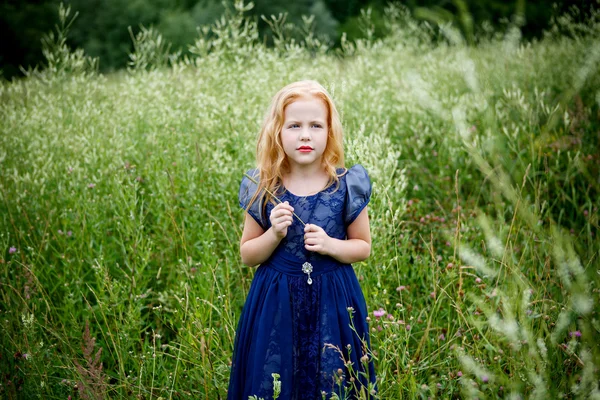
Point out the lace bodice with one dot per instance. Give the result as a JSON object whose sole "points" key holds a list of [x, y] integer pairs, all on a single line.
{"points": [[333, 209]]}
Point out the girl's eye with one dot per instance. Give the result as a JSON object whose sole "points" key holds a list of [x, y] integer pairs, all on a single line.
{"points": [[317, 126], [294, 125]]}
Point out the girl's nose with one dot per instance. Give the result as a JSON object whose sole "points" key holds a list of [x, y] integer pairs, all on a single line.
{"points": [[304, 134]]}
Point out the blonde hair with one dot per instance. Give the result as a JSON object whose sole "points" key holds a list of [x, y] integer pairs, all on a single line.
{"points": [[271, 159]]}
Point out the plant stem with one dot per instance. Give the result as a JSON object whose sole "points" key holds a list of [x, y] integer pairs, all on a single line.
{"points": [[275, 197]]}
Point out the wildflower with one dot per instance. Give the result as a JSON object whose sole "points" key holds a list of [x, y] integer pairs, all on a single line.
{"points": [[92, 185], [585, 213], [575, 333], [400, 288], [478, 280], [276, 385], [432, 295], [60, 232], [407, 327], [485, 379], [416, 187], [442, 337], [390, 317], [459, 374], [379, 313], [364, 359], [379, 328], [69, 233], [12, 250], [350, 309]]}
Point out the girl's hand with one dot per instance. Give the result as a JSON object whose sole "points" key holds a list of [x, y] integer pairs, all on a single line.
{"points": [[281, 217], [315, 239]]}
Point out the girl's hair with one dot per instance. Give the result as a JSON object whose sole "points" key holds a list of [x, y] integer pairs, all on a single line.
{"points": [[271, 158]]}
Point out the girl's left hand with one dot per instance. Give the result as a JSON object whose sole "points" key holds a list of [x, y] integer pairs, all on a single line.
{"points": [[315, 239]]}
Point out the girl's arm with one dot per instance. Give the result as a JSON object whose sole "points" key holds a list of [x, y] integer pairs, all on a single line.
{"points": [[257, 245], [357, 247]]}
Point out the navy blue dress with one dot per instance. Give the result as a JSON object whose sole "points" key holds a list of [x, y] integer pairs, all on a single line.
{"points": [[306, 333]]}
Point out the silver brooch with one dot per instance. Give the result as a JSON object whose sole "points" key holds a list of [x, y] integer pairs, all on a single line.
{"points": [[307, 269]]}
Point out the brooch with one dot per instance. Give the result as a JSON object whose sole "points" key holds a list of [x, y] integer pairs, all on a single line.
{"points": [[307, 269]]}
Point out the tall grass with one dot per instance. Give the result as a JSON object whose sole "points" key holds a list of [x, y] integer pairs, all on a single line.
{"points": [[119, 225]]}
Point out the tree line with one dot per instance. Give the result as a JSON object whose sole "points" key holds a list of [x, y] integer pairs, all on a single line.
{"points": [[102, 26]]}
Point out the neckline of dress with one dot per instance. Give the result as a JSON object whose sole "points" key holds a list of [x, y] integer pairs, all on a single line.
{"points": [[305, 196]]}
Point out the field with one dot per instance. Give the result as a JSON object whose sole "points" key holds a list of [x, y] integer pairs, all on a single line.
{"points": [[120, 273]]}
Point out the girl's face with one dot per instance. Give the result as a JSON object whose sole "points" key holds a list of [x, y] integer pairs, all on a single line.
{"points": [[305, 131]]}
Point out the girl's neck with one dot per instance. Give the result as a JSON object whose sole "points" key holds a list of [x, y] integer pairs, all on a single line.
{"points": [[305, 181]]}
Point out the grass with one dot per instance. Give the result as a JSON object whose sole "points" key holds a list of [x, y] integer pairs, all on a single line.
{"points": [[120, 273]]}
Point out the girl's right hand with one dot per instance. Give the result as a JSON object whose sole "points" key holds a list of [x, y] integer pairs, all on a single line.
{"points": [[281, 217]]}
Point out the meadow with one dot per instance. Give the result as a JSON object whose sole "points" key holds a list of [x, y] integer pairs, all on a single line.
{"points": [[120, 274]]}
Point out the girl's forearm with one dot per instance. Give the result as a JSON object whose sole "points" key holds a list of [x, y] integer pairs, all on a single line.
{"points": [[259, 249], [349, 251]]}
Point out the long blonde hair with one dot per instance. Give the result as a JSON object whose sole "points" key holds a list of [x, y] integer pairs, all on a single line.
{"points": [[271, 159]]}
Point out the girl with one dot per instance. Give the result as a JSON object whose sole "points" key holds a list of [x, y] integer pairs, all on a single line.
{"points": [[303, 330]]}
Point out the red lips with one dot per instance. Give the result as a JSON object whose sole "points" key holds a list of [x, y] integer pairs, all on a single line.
{"points": [[305, 148]]}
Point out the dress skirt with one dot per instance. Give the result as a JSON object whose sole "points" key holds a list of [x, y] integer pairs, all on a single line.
{"points": [[313, 336]]}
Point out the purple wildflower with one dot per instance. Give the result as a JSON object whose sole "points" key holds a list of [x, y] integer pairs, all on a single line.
{"points": [[379, 313], [12, 250]]}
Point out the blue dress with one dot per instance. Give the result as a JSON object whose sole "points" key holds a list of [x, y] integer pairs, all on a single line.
{"points": [[309, 334]]}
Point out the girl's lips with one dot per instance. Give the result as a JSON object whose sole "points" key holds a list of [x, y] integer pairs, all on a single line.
{"points": [[305, 149]]}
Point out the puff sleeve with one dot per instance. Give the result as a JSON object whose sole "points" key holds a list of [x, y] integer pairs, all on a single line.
{"points": [[247, 190], [358, 192]]}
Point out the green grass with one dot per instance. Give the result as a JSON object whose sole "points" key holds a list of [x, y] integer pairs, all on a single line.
{"points": [[118, 211]]}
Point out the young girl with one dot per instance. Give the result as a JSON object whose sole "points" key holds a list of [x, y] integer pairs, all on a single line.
{"points": [[305, 317]]}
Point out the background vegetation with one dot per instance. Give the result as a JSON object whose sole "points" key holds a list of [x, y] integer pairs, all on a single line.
{"points": [[102, 27], [119, 226]]}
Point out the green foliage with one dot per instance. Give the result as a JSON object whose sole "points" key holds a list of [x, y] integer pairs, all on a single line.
{"points": [[119, 227]]}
